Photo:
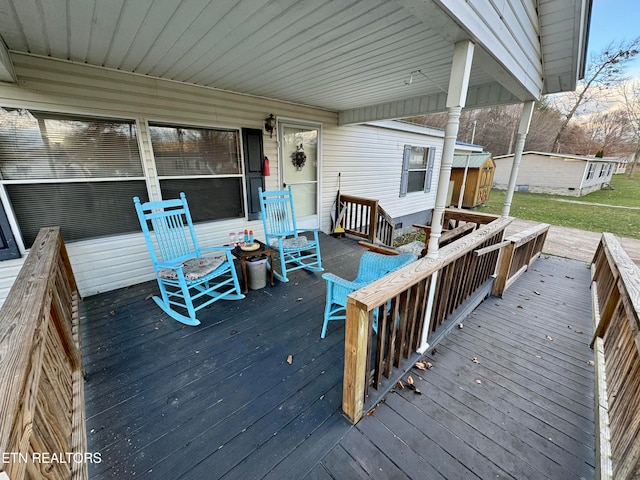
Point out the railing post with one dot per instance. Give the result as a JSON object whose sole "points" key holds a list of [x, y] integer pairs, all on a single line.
{"points": [[502, 272], [355, 361], [373, 222]]}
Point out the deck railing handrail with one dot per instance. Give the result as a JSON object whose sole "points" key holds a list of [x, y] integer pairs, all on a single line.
{"points": [[42, 395], [365, 218], [615, 294], [518, 252], [428, 288]]}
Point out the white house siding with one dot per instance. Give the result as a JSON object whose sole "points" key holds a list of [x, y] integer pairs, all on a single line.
{"points": [[510, 31], [370, 158], [553, 174], [48, 85]]}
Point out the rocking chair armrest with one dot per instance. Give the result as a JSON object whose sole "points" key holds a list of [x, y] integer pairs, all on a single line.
{"points": [[332, 278]]}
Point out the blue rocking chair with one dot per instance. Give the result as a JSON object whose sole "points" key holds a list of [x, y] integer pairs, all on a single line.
{"points": [[184, 274], [372, 267], [295, 251]]}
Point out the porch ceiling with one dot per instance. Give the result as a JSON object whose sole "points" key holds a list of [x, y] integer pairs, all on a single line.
{"points": [[351, 56]]}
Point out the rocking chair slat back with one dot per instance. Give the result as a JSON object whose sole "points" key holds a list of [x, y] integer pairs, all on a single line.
{"points": [[280, 217], [297, 249], [168, 225]]}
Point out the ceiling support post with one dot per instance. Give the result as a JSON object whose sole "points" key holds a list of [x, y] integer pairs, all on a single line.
{"points": [[523, 129], [456, 97]]}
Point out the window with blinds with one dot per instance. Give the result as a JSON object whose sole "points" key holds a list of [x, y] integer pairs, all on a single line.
{"points": [[79, 173], [417, 169], [203, 163]]}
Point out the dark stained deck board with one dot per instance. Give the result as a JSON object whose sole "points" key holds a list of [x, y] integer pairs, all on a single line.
{"points": [[529, 418], [163, 398], [220, 401]]}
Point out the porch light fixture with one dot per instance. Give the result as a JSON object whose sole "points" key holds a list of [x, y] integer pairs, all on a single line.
{"points": [[270, 124]]}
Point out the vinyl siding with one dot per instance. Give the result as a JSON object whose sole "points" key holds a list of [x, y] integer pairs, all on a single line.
{"points": [[549, 174], [369, 157], [49, 85]]}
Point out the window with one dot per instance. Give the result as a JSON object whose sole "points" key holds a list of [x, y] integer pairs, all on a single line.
{"points": [[76, 172], [202, 163], [602, 171], [417, 169], [592, 171]]}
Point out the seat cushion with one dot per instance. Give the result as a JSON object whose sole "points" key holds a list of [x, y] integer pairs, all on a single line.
{"points": [[295, 242], [194, 268]]}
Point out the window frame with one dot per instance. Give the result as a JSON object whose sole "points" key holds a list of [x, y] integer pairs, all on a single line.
{"points": [[429, 160], [134, 143], [591, 170], [159, 178]]}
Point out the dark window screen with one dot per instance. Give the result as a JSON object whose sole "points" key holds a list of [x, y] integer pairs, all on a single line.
{"points": [[208, 198], [82, 210]]}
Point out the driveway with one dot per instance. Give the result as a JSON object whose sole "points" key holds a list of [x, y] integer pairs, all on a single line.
{"points": [[573, 243]]}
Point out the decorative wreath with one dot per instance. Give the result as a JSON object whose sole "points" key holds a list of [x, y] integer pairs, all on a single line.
{"points": [[298, 158]]}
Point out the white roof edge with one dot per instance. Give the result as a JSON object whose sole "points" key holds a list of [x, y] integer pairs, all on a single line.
{"points": [[561, 155], [422, 130], [407, 127]]}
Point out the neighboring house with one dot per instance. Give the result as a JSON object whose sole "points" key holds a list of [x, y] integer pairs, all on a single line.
{"points": [[107, 100], [620, 164], [554, 173], [475, 171]]}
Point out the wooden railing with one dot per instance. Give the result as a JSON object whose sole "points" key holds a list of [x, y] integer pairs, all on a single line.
{"points": [[616, 313], [385, 227], [426, 289], [365, 218], [42, 429], [518, 252], [454, 217]]}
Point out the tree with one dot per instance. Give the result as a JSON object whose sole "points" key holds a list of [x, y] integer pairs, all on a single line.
{"points": [[631, 95], [604, 71]]}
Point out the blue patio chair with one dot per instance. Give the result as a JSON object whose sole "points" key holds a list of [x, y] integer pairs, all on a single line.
{"points": [[372, 267], [295, 251], [188, 278]]}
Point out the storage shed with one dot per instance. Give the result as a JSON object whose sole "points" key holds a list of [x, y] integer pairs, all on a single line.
{"points": [[475, 171]]}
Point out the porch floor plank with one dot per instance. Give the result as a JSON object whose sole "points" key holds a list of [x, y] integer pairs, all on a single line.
{"points": [[221, 401], [524, 411]]}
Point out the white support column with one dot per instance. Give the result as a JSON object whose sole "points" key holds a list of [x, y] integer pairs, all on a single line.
{"points": [[424, 345], [523, 129], [456, 97]]}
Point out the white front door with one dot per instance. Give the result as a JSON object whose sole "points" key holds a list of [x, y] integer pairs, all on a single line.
{"points": [[300, 166]]}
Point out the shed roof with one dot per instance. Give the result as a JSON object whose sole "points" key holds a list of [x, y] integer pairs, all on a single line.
{"points": [[562, 156], [476, 160]]}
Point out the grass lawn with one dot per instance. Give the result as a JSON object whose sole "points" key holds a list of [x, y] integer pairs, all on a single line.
{"points": [[596, 218]]}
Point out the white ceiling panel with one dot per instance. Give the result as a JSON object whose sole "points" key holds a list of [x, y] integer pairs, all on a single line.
{"points": [[335, 54]]}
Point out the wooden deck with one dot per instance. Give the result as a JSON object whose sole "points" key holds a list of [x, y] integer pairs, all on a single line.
{"points": [[221, 401]]}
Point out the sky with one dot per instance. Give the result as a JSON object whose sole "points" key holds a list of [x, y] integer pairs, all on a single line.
{"points": [[614, 21]]}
